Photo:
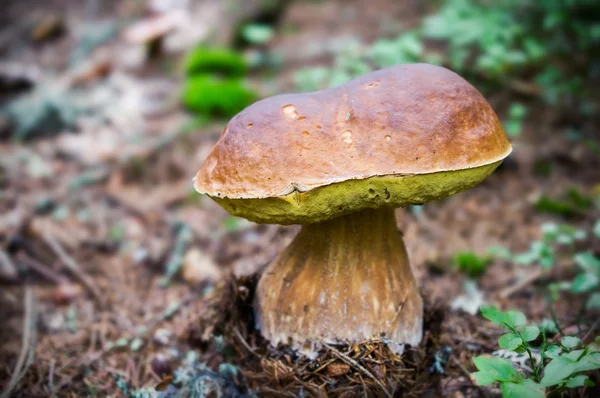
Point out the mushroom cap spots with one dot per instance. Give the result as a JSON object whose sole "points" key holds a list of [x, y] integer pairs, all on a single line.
{"points": [[397, 124], [289, 111]]}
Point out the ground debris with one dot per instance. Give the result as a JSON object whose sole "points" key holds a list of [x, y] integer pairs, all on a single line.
{"points": [[370, 368]]}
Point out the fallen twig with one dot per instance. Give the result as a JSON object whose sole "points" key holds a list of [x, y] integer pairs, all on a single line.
{"points": [[359, 367], [239, 336], [70, 263], [171, 311], [463, 370], [589, 332], [474, 342], [51, 376], [8, 269], [40, 268], [81, 362], [529, 279], [469, 377], [553, 314], [28, 343], [182, 241]]}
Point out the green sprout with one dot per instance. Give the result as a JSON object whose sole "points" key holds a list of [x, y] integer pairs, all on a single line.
{"points": [[470, 263], [565, 368]]}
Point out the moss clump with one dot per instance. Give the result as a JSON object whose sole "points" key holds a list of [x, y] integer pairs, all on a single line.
{"points": [[216, 96], [220, 61], [215, 85]]}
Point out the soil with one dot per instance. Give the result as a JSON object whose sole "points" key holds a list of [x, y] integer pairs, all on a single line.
{"points": [[91, 219]]}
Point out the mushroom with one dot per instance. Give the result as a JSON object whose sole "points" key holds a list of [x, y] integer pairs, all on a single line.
{"points": [[338, 162]]}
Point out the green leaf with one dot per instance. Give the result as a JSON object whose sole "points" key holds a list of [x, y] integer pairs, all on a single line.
{"points": [[549, 326], [492, 314], [538, 251], [570, 342], [546, 204], [257, 33], [591, 361], [589, 383], [526, 258], [577, 381], [553, 351], [513, 127], [597, 229], [588, 262], [483, 378], [510, 341], [593, 302], [579, 200], [528, 388], [579, 234], [530, 333], [574, 355], [549, 230], [501, 369], [517, 111], [231, 224], [559, 369], [311, 79], [515, 318], [547, 260], [556, 288], [584, 282], [499, 251], [510, 318], [410, 44], [535, 49]]}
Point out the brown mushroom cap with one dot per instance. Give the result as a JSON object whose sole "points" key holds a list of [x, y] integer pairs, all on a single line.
{"points": [[406, 120]]}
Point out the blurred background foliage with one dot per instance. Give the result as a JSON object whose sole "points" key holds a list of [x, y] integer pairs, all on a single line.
{"points": [[541, 51], [544, 50]]}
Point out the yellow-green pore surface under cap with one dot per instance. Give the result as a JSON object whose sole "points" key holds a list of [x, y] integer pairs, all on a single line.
{"points": [[334, 200]]}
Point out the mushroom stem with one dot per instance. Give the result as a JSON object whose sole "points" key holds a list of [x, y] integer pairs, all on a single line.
{"points": [[346, 279]]}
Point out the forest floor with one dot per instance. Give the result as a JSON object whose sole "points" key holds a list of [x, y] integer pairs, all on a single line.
{"points": [[91, 219]]}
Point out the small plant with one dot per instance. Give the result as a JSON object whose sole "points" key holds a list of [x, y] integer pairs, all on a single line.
{"points": [[520, 45], [571, 203], [470, 263], [587, 280], [400, 50], [257, 34], [564, 370], [212, 95], [215, 85], [219, 61], [543, 252], [516, 115]]}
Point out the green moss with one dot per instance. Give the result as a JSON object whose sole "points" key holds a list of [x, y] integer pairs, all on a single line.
{"points": [[470, 263], [346, 197], [220, 61], [212, 95]]}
